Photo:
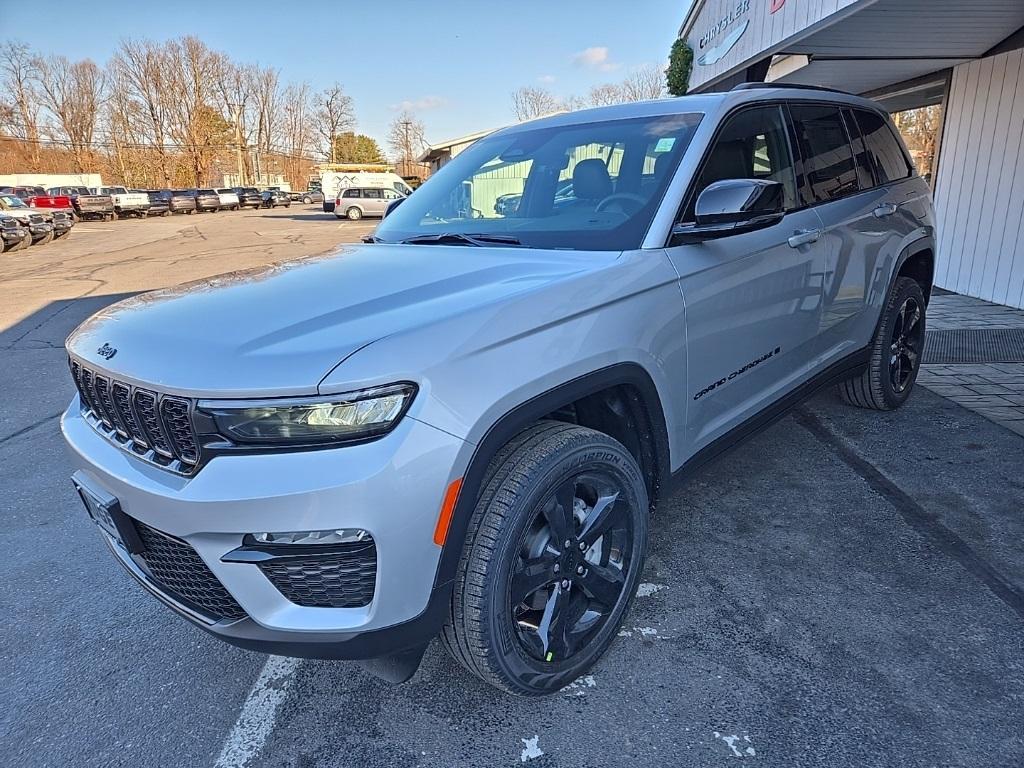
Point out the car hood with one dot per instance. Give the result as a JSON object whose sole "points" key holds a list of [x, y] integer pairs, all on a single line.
{"points": [[278, 330]]}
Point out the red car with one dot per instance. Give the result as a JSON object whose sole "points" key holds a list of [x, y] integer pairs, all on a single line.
{"points": [[36, 197]]}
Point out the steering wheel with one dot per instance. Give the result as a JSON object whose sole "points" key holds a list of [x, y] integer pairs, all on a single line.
{"points": [[619, 197]]}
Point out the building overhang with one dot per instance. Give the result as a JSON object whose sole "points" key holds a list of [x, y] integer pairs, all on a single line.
{"points": [[866, 45]]}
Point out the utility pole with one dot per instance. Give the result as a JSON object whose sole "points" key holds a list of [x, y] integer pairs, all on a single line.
{"points": [[236, 110]]}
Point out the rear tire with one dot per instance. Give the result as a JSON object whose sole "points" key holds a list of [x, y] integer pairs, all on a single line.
{"points": [[354, 214], [530, 612], [896, 352]]}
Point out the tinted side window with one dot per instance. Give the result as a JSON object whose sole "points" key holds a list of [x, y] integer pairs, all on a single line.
{"points": [[861, 159], [351, 193], [883, 147], [375, 193], [828, 159], [751, 145]]}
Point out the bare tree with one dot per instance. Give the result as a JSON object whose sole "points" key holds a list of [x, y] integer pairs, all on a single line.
{"points": [[297, 130], [74, 93], [604, 95], [641, 84], [644, 83], [267, 97], [142, 69], [334, 115], [405, 137], [195, 123], [530, 102], [19, 69]]}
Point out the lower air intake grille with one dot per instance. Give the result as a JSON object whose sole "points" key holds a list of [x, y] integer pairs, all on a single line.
{"points": [[177, 568], [338, 580]]}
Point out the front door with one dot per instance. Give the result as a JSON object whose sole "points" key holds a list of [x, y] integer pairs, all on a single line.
{"points": [[753, 300]]}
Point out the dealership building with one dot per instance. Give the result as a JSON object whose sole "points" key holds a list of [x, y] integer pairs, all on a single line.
{"points": [[950, 71]]}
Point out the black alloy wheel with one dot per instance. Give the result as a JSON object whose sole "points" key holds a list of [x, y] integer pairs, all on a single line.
{"points": [[572, 565], [906, 344], [552, 559], [895, 352]]}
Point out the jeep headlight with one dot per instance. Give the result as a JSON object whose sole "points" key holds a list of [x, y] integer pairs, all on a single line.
{"points": [[329, 419]]}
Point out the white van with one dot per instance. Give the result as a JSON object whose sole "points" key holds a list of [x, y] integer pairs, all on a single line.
{"points": [[335, 181]]}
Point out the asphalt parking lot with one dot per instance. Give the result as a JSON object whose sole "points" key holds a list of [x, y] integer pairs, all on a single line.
{"points": [[847, 589]]}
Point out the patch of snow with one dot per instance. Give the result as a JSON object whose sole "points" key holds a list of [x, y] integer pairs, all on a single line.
{"points": [[647, 589], [530, 749], [730, 741]]}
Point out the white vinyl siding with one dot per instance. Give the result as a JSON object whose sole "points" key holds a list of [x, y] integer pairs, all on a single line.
{"points": [[979, 189]]}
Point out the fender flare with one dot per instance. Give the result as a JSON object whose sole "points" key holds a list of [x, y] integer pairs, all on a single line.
{"points": [[924, 243], [527, 413]]}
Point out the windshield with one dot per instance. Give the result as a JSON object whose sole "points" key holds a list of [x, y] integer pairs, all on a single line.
{"points": [[589, 186], [12, 201]]}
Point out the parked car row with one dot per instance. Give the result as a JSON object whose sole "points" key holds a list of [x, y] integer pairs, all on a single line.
{"points": [[110, 203], [22, 225]]}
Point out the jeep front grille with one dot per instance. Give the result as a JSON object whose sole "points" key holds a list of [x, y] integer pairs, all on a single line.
{"points": [[153, 426]]}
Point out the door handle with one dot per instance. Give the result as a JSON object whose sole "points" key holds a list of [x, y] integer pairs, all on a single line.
{"points": [[804, 237], [885, 209]]}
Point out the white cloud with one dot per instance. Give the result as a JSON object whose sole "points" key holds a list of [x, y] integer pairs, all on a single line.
{"points": [[546, 79], [419, 105], [595, 57]]}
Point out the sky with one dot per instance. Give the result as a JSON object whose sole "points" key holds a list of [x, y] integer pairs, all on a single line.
{"points": [[454, 63]]}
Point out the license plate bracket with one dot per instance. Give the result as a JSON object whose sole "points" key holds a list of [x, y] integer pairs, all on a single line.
{"points": [[105, 511]]}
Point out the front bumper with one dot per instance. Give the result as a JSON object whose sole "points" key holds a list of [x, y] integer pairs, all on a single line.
{"points": [[391, 488], [39, 231], [14, 235]]}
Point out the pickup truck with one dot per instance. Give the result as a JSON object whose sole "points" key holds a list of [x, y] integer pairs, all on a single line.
{"points": [[37, 197], [86, 204], [126, 203]]}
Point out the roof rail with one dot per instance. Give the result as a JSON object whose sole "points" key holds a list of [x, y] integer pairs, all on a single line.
{"points": [[792, 86]]}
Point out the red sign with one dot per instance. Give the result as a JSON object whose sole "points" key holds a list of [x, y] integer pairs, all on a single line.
{"points": [[776, 5]]}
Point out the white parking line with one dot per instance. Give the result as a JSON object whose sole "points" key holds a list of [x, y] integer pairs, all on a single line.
{"points": [[256, 720]]}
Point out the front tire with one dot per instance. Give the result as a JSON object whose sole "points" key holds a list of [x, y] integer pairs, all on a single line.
{"points": [[555, 550], [896, 352]]}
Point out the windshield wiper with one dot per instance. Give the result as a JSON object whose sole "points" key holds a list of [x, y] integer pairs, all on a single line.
{"points": [[371, 239], [479, 239]]}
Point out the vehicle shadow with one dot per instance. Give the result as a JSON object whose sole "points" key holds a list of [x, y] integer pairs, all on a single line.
{"points": [[50, 325]]}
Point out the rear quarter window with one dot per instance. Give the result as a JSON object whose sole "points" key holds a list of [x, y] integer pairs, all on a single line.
{"points": [[883, 148]]}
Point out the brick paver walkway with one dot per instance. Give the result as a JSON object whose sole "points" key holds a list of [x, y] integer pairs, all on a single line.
{"points": [[995, 390]]}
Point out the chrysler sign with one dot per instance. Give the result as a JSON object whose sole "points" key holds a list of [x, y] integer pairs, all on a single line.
{"points": [[719, 39]]}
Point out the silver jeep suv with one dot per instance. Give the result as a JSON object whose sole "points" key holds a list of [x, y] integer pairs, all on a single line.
{"points": [[460, 428]]}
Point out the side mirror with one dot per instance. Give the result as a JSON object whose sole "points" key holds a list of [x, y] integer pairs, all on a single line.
{"points": [[392, 205], [732, 207]]}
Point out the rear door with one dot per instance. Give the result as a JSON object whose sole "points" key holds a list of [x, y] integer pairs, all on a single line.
{"points": [[753, 300], [374, 202], [858, 234]]}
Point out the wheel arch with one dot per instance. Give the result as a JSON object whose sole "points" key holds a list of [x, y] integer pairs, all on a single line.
{"points": [[629, 391], [917, 261]]}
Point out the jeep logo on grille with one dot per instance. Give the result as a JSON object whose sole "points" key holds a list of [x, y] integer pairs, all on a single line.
{"points": [[106, 351]]}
